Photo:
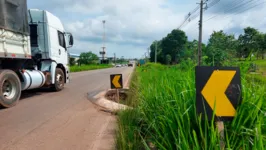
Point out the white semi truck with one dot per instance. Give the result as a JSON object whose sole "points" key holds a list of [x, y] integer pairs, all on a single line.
{"points": [[33, 51]]}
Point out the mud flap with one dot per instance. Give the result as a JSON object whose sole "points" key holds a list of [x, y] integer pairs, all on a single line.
{"points": [[49, 66]]}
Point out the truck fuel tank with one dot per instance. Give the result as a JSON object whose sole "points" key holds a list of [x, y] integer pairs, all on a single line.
{"points": [[32, 79]]}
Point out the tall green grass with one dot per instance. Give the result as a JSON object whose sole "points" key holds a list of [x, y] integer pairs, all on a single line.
{"points": [[262, 66], [261, 62], [88, 67], [165, 115], [256, 78]]}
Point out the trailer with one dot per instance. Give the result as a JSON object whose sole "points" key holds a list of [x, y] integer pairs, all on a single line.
{"points": [[33, 51]]}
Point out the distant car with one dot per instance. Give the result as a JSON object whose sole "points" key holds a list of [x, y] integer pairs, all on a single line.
{"points": [[130, 65], [118, 65]]}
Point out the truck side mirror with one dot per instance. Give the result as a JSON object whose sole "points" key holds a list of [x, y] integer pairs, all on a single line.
{"points": [[70, 39]]}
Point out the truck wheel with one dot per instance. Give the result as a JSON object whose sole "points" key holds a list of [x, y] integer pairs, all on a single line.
{"points": [[10, 88], [59, 80]]}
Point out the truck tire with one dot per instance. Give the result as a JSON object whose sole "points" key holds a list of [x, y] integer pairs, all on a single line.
{"points": [[10, 88], [59, 80]]}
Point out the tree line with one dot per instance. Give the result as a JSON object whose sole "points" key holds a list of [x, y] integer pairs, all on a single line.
{"points": [[220, 48], [85, 58], [88, 58]]}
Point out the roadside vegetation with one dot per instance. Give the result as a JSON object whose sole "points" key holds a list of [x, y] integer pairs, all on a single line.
{"points": [[87, 61], [163, 97], [77, 68], [165, 115], [220, 49], [257, 71]]}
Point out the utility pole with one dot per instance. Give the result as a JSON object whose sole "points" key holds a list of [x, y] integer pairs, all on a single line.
{"points": [[114, 59], [145, 55], [155, 57], [148, 54], [103, 52], [200, 32]]}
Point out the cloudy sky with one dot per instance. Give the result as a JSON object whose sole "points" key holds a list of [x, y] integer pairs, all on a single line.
{"points": [[131, 25]]}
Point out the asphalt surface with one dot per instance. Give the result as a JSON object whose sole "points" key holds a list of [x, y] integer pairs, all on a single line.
{"points": [[61, 120]]}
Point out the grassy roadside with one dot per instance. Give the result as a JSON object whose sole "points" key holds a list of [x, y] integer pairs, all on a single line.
{"points": [[260, 75], [128, 123], [257, 78], [262, 67], [164, 116], [88, 67]]}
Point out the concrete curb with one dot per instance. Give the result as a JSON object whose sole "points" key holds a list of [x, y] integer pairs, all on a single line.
{"points": [[127, 83], [108, 105]]}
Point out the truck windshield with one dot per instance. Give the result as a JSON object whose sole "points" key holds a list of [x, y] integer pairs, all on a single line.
{"points": [[34, 35]]}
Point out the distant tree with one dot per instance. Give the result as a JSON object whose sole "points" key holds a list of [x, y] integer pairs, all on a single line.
{"points": [[160, 57], [173, 44], [263, 49], [231, 44], [191, 49], [168, 59], [261, 45], [248, 42], [220, 48], [240, 48], [72, 61], [88, 58]]}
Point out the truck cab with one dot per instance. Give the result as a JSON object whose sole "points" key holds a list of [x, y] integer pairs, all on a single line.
{"points": [[49, 44], [34, 51]]}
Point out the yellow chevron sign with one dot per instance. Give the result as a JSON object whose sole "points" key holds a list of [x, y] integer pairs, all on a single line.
{"points": [[116, 81], [214, 92], [219, 91]]}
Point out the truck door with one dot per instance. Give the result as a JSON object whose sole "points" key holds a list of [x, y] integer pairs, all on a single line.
{"points": [[62, 50]]}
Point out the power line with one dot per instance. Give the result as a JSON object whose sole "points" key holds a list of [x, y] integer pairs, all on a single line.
{"points": [[188, 16], [196, 9], [239, 11], [191, 16], [186, 19], [232, 8], [230, 5], [229, 9], [236, 2], [213, 3], [250, 7], [239, 6]]}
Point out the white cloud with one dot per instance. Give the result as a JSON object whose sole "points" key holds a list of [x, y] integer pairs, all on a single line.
{"points": [[133, 23], [131, 26]]}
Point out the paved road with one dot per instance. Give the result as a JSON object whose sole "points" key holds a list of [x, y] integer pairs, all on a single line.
{"points": [[61, 120]]}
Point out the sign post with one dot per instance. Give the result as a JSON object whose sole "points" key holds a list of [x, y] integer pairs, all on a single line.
{"points": [[116, 83], [218, 91], [220, 127]]}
